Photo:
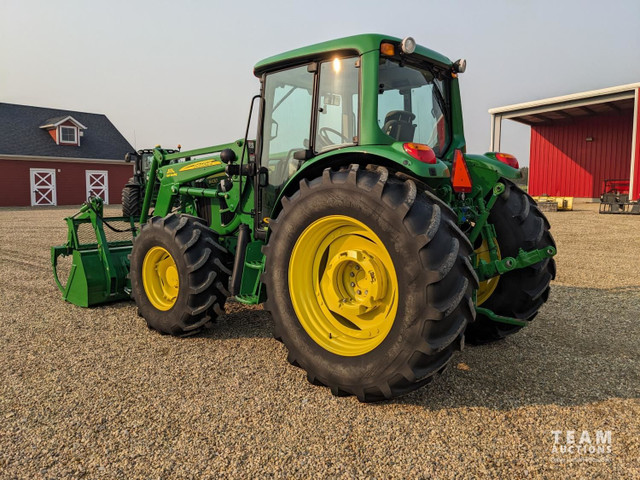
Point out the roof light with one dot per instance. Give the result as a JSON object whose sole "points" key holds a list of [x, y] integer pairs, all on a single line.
{"points": [[408, 45], [459, 66], [508, 159], [422, 153], [387, 49], [460, 178]]}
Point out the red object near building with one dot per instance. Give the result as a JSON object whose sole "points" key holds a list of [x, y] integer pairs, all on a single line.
{"points": [[59, 157], [579, 141]]}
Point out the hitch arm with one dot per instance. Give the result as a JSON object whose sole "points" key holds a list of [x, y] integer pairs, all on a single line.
{"points": [[499, 318], [484, 211], [524, 259]]}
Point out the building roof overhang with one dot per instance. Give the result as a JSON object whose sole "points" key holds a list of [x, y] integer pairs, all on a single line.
{"points": [[41, 158], [605, 101]]}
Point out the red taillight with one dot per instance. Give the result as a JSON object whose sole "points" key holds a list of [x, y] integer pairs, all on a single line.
{"points": [[422, 153], [508, 159], [460, 178]]}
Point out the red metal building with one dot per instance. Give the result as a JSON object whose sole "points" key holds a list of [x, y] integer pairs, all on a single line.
{"points": [[578, 141], [59, 157]]}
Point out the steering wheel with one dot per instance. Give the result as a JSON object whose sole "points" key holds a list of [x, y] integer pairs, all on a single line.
{"points": [[323, 133]]}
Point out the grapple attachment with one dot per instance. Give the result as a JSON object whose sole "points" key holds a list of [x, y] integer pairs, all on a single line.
{"points": [[99, 256]]}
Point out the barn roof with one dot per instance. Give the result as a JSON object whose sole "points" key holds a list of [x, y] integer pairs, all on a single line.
{"points": [[20, 134], [595, 102]]}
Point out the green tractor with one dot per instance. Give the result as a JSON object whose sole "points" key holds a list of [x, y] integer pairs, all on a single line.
{"points": [[354, 213], [133, 191]]}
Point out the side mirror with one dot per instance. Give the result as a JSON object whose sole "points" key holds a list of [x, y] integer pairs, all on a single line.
{"points": [[263, 176], [331, 99], [274, 130], [130, 157], [303, 155]]}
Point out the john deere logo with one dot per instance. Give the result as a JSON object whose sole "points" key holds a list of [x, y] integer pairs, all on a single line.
{"points": [[171, 172], [202, 164]]}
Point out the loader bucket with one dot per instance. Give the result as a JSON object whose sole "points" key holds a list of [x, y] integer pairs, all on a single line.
{"points": [[99, 248]]}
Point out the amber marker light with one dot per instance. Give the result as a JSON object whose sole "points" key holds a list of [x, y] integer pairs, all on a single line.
{"points": [[387, 49]]}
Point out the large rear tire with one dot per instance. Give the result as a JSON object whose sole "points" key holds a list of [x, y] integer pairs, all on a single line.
{"points": [[131, 199], [179, 274], [519, 293], [372, 301]]}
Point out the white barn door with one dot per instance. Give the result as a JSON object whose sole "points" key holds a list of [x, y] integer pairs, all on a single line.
{"points": [[98, 184], [43, 186]]}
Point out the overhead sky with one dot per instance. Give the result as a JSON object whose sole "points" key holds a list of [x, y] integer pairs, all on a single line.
{"points": [[169, 72]]}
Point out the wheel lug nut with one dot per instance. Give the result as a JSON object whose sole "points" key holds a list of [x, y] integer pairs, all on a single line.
{"points": [[359, 292], [353, 284], [357, 267], [352, 274], [366, 292]]}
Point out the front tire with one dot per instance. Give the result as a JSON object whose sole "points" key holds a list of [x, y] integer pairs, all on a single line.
{"points": [[412, 254], [132, 199], [519, 293], [179, 274]]}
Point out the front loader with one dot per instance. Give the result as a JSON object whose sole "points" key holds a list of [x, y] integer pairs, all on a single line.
{"points": [[353, 213]]}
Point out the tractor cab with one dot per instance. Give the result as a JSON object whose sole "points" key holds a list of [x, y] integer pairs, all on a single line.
{"points": [[321, 103], [142, 162]]}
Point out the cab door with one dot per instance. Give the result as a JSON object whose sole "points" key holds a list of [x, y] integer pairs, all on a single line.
{"points": [[288, 104], [308, 110]]}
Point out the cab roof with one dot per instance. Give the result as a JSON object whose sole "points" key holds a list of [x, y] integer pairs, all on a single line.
{"points": [[356, 43]]}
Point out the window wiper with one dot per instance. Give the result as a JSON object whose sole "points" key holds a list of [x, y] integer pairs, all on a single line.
{"points": [[442, 103]]}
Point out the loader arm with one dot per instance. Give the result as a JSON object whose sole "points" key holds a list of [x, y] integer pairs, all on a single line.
{"points": [[174, 171]]}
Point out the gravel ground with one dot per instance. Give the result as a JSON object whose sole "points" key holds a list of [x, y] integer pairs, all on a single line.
{"points": [[93, 393]]}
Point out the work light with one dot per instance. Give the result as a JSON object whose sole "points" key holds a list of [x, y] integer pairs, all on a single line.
{"points": [[408, 45]]}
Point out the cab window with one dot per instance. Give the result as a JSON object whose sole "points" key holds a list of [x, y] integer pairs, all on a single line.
{"points": [[287, 126], [337, 124], [412, 105]]}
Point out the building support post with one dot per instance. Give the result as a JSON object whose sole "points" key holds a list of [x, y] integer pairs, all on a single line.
{"points": [[634, 174], [496, 127]]}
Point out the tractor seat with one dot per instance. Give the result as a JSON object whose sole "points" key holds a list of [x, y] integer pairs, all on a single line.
{"points": [[398, 124]]}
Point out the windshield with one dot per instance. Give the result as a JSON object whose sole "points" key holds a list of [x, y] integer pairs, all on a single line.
{"points": [[412, 105]]}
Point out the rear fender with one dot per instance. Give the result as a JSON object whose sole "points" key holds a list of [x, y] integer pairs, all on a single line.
{"points": [[486, 171], [390, 156], [488, 161]]}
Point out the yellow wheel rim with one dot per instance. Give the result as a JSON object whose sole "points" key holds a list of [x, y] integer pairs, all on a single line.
{"points": [[343, 285], [160, 278], [486, 288]]}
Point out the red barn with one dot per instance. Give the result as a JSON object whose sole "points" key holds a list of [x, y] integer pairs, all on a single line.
{"points": [[59, 157], [578, 141]]}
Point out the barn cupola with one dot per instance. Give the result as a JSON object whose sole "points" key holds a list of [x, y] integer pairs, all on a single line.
{"points": [[64, 130]]}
